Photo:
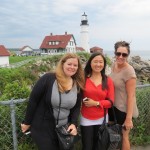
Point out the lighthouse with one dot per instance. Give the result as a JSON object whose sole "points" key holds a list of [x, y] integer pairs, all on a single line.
{"points": [[84, 33]]}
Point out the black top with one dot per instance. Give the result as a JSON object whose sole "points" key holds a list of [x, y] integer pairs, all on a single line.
{"points": [[39, 107]]}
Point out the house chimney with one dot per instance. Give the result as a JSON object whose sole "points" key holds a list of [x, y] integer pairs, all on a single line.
{"points": [[51, 33], [65, 33]]}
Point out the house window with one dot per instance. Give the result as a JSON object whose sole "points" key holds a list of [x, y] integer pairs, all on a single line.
{"points": [[51, 43], [70, 43]]}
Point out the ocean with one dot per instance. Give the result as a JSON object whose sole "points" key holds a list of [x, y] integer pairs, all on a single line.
{"points": [[145, 55]]}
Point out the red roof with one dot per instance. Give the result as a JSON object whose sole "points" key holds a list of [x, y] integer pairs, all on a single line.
{"points": [[96, 49], [79, 49], [61, 39], [4, 51]]}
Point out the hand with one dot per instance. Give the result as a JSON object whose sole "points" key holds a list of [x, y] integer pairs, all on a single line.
{"points": [[72, 129], [90, 102], [128, 124], [24, 127]]}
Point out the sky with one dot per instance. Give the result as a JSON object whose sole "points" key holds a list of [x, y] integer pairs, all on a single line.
{"points": [[27, 22]]}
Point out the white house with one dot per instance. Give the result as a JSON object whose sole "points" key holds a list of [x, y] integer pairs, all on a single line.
{"points": [[58, 44], [4, 56], [26, 51]]}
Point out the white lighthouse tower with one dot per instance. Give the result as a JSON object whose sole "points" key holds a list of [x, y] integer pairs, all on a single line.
{"points": [[84, 33]]}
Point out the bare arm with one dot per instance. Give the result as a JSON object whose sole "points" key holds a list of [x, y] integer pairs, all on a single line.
{"points": [[130, 88]]}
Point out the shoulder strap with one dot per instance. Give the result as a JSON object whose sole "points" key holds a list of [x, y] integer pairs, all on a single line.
{"points": [[115, 120], [59, 108]]}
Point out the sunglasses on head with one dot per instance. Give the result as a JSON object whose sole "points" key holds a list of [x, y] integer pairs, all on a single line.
{"points": [[119, 54]]}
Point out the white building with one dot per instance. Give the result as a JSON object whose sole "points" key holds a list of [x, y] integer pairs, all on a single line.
{"points": [[4, 56], [26, 51], [58, 44], [85, 33]]}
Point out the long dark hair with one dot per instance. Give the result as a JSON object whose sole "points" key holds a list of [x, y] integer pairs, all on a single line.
{"points": [[88, 69]]}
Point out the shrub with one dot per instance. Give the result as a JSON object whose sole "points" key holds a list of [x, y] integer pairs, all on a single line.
{"points": [[15, 90], [140, 134]]}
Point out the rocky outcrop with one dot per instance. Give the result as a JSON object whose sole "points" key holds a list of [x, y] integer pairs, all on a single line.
{"points": [[142, 69]]}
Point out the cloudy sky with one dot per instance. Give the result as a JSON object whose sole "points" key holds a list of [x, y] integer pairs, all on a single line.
{"points": [[27, 22]]}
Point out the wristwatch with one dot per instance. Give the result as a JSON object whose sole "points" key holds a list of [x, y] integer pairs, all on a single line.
{"points": [[98, 104]]}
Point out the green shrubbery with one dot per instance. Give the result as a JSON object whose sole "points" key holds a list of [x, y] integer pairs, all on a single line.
{"points": [[141, 132], [15, 90], [15, 83]]}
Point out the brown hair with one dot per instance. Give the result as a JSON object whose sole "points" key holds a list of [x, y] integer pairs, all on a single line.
{"points": [[122, 44], [78, 77]]}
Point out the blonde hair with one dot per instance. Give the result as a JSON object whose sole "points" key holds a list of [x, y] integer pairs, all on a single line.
{"points": [[78, 77]]}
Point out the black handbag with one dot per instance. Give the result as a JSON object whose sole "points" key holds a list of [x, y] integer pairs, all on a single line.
{"points": [[109, 135], [66, 140]]}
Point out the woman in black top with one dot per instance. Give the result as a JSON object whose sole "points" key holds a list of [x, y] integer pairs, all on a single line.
{"points": [[42, 109]]}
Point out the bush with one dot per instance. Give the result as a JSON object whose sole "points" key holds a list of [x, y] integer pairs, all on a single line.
{"points": [[15, 90], [141, 133]]}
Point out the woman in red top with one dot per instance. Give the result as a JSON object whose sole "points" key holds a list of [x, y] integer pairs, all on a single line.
{"points": [[98, 88]]}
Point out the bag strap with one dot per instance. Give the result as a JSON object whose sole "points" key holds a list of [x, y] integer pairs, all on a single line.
{"points": [[59, 108], [115, 120]]}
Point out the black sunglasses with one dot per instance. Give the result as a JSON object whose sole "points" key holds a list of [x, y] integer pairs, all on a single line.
{"points": [[119, 54]]}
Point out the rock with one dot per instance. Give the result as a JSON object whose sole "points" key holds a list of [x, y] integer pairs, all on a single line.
{"points": [[142, 69]]}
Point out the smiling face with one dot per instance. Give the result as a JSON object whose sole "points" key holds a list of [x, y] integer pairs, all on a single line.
{"points": [[97, 64], [121, 55], [70, 67]]}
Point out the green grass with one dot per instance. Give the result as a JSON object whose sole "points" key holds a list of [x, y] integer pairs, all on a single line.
{"points": [[15, 59]]}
